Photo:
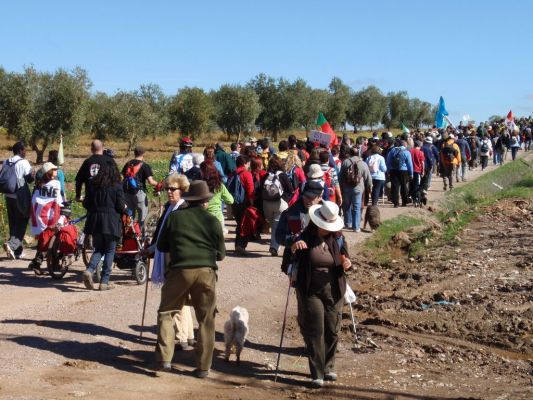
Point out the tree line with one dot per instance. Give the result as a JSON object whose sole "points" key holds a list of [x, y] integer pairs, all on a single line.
{"points": [[39, 107]]}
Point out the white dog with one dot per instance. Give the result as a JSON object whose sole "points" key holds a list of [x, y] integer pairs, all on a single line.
{"points": [[236, 331]]}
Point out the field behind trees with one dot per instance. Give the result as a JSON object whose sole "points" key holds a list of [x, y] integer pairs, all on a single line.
{"points": [[40, 107]]}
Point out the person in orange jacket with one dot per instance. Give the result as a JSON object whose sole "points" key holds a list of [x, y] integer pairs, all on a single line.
{"points": [[450, 159]]}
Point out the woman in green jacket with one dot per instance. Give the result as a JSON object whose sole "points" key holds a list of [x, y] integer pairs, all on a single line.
{"points": [[211, 175]]}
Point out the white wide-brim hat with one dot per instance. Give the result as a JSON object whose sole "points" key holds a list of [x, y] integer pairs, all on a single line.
{"points": [[315, 172], [326, 216]]}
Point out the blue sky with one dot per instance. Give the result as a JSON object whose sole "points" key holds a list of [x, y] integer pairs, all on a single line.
{"points": [[476, 54]]}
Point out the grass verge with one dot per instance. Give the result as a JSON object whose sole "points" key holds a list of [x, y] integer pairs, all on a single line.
{"points": [[457, 210]]}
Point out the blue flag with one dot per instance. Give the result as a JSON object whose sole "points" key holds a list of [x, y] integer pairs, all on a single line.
{"points": [[440, 122]]}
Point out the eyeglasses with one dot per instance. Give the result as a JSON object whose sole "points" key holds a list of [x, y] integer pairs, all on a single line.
{"points": [[172, 189]]}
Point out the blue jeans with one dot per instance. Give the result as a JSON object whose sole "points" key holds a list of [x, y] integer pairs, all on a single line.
{"points": [[514, 150], [104, 247], [377, 187], [351, 208]]}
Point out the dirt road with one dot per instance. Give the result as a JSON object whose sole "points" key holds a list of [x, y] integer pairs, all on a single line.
{"points": [[59, 340]]}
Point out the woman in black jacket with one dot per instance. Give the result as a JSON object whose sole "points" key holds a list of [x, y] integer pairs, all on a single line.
{"points": [[322, 257], [105, 204]]}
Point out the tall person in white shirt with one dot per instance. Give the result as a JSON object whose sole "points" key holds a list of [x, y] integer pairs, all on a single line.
{"points": [[18, 203]]}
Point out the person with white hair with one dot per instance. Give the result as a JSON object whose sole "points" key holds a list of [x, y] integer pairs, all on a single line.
{"points": [[194, 173]]}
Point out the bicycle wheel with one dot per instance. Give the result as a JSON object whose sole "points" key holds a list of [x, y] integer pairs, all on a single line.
{"points": [[54, 260], [87, 249]]}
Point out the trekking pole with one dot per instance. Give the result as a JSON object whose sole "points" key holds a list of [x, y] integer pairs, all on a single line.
{"points": [[283, 330], [145, 296], [353, 322]]}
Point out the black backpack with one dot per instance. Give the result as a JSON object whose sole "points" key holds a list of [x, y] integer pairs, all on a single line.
{"points": [[396, 161], [351, 174], [449, 152]]}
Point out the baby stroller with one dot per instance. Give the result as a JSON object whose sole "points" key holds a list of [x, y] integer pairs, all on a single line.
{"points": [[127, 254], [59, 244]]}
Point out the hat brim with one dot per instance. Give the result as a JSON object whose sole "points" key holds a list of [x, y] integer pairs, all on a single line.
{"points": [[205, 197], [333, 226], [316, 176]]}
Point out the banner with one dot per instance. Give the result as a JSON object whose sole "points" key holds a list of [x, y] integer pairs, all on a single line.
{"points": [[321, 138], [45, 207]]}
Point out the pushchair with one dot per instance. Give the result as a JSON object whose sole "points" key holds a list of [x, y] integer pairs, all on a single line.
{"points": [[59, 243], [127, 255]]}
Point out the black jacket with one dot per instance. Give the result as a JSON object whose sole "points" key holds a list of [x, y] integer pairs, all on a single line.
{"points": [[104, 209]]}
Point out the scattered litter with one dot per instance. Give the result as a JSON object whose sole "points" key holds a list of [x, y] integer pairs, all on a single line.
{"points": [[438, 303]]}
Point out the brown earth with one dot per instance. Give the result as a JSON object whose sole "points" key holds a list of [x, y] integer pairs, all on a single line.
{"points": [[455, 324]]}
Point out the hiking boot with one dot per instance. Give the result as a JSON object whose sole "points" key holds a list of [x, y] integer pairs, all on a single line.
{"points": [[106, 286], [88, 279], [445, 188], [317, 383], [330, 376], [273, 252], [200, 373], [9, 251]]}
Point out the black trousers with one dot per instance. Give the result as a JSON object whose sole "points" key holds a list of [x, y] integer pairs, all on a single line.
{"points": [[238, 213], [320, 317], [399, 185], [18, 222]]}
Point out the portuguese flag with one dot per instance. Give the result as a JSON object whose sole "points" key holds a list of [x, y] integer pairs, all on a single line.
{"points": [[325, 127]]}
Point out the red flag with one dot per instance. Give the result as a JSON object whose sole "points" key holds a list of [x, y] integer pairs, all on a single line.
{"points": [[326, 128]]}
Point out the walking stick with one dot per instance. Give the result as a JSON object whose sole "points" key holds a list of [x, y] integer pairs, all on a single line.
{"points": [[283, 330], [145, 296], [353, 322]]}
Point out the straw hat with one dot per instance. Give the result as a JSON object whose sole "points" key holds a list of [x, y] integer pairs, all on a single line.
{"points": [[326, 216], [48, 166]]}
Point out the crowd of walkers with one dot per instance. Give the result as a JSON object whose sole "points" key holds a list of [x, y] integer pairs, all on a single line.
{"points": [[302, 194]]}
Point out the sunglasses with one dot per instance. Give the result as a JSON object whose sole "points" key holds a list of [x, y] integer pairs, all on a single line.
{"points": [[172, 189]]}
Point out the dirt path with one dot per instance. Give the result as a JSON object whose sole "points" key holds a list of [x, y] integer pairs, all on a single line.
{"points": [[58, 340]]}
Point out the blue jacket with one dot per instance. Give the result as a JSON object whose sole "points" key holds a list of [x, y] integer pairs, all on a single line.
{"points": [[463, 145], [431, 156], [406, 162]]}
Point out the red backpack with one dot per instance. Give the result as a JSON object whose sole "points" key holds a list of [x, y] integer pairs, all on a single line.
{"points": [[329, 190]]}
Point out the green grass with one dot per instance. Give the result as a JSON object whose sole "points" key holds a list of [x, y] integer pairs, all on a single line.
{"points": [[464, 204]]}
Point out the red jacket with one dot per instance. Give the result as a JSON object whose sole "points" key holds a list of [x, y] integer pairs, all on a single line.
{"points": [[247, 182], [418, 158]]}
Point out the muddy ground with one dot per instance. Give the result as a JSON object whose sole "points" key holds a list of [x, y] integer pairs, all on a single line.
{"points": [[455, 324]]}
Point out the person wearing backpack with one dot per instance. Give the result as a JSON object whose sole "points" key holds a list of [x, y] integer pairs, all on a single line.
{"points": [[276, 189], [137, 173], [241, 187], [181, 161], [418, 159], [15, 175], [378, 168], [450, 160], [514, 143], [354, 179], [431, 155], [331, 179], [485, 151], [400, 168], [294, 169]]}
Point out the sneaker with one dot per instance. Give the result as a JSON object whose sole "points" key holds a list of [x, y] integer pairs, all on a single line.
{"points": [[20, 256], [200, 373], [161, 367], [273, 252], [358, 230], [106, 286], [317, 383], [9, 251], [185, 346], [330, 376], [37, 271], [88, 280]]}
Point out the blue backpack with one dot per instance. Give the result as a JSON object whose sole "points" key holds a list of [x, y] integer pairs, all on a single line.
{"points": [[236, 189]]}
